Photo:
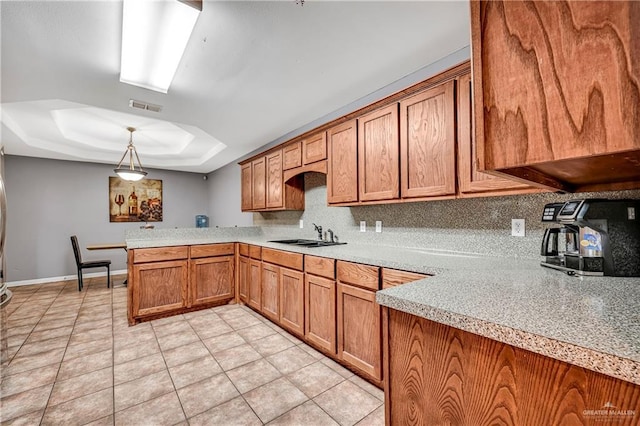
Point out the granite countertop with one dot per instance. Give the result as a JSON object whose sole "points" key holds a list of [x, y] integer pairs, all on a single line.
{"points": [[592, 322]]}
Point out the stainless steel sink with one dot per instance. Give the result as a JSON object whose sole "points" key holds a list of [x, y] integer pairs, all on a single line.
{"points": [[307, 243]]}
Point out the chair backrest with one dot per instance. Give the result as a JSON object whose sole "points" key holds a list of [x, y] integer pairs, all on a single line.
{"points": [[76, 250]]}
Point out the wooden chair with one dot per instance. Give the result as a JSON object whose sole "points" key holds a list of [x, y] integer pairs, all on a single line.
{"points": [[87, 265]]}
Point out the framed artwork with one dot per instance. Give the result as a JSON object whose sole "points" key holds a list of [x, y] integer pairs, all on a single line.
{"points": [[139, 201]]}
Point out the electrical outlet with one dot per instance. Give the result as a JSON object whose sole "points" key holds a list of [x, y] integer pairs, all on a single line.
{"points": [[517, 227], [378, 226], [301, 224], [363, 226]]}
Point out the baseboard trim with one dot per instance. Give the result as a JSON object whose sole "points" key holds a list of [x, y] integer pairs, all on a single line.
{"points": [[62, 278]]}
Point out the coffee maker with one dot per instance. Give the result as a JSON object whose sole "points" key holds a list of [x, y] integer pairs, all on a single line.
{"points": [[594, 237]]}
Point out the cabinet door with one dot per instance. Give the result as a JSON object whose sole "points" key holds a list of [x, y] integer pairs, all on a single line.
{"points": [[359, 333], [245, 187], [255, 284], [270, 292], [342, 174], [292, 301], [314, 148], [470, 179], [275, 197], [427, 143], [211, 280], [320, 312], [378, 153], [159, 287], [292, 156], [244, 277], [258, 179]]}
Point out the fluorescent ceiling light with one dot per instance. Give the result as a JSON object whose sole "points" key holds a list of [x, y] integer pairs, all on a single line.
{"points": [[154, 36]]}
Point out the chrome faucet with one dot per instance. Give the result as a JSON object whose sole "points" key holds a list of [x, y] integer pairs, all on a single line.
{"points": [[330, 232], [319, 230]]}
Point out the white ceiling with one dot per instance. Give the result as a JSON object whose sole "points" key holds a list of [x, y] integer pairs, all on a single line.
{"points": [[252, 72]]}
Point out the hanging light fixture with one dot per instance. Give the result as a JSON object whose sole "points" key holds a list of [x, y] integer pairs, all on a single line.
{"points": [[130, 173]]}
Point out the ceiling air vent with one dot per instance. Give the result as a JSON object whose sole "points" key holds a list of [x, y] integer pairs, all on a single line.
{"points": [[144, 105]]}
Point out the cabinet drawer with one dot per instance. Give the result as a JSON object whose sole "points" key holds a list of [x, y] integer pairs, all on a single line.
{"points": [[243, 249], [211, 250], [314, 149], [320, 266], [393, 277], [255, 252], [359, 275], [159, 254], [282, 258], [292, 156]]}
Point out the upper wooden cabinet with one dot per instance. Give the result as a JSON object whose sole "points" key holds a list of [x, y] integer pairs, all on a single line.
{"points": [[274, 180], [342, 176], [246, 181], [557, 92], [258, 184], [427, 143], [292, 154], [314, 148], [378, 155], [471, 181]]}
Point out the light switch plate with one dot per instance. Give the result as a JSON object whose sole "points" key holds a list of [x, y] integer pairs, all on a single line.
{"points": [[363, 226], [517, 227], [378, 226], [301, 224]]}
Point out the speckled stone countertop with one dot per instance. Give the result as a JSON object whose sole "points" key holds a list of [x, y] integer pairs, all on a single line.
{"points": [[590, 322]]}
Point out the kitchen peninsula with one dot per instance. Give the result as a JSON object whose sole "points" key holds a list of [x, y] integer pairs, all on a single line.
{"points": [[577, 327]]}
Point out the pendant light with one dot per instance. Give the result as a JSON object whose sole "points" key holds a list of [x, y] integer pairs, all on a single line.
{"points": [[130, 173]]}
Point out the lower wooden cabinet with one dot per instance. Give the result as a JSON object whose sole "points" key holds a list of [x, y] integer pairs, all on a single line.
{"points": [[292, 301], [255, 284], [359, 332], [320, 312], [244, 277], [212, 280], [270, 306], [158, 287]]}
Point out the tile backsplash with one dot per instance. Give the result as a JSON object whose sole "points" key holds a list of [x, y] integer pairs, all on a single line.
{"points": [[478, 225]]}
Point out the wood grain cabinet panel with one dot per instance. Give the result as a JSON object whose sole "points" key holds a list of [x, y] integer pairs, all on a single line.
{"points": [[275, 194], [159, 254], [246, 181], [342, 176], [359, 275], [211, 250], [556, 91], [159, 287], [442, 375], [283, 258], [244, 277], [292, 301], [320, 312], [212, 280], [394, 277], [378, 155], [271, 292], [255, 284], [314, 148], [321, 266], [292, 156], [359, 330], [470, 179], [427, 143], [258, 184], [243, 249]]}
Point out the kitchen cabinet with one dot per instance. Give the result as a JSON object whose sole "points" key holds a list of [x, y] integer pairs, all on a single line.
{"points": [[359, 318], [255, 278], [314, 148], [274, 180], [258, 184], [271, 292], [320, 303], [292, 154], [246, 188], [378, 155], [291, 290], [244, 277], [342, 167], [393, 277], [211, 278], [427, 143], [556, 93], [471, 181], [436, 373]]}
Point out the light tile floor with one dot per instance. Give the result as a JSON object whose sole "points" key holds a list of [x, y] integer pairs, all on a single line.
{"points": [[73, 359]]}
